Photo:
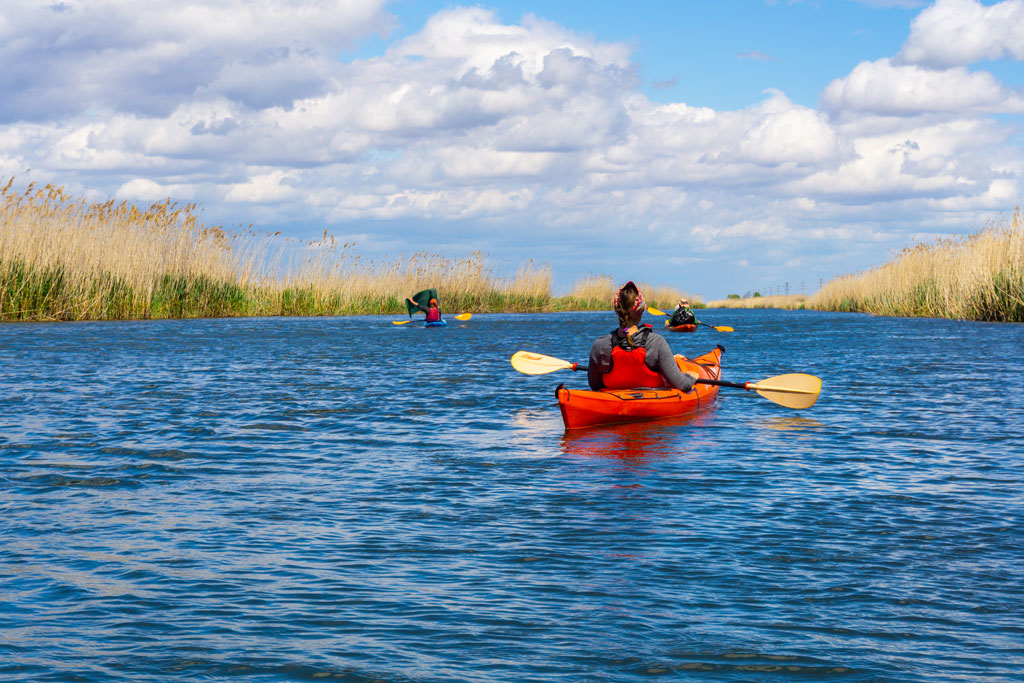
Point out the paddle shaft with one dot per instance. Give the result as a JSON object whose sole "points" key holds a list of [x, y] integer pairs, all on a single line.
{"points": [[576, 367], [716, 328], [723, 383]]}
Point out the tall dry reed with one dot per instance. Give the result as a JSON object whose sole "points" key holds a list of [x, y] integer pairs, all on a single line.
{"points": [[980, 277], [71, 260], [67, 259]]}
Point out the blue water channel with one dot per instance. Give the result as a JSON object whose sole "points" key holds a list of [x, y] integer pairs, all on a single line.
{"points": [[346, 499]]}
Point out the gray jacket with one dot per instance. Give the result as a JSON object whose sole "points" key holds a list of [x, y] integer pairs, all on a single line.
{"points": [[659, 357]]}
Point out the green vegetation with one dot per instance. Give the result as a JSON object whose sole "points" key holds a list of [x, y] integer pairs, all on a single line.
{"points": [[66, 259], [980, 277]]}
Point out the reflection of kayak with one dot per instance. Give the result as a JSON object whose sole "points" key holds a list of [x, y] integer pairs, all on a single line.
{"points": [[584, 408], [437, 323], [680, 328], [636, 440]]}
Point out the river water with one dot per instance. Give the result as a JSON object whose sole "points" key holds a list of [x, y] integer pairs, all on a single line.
{"points": [[346, 499]]}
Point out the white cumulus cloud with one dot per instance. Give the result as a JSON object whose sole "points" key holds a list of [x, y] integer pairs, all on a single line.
{"points": [[962, 32], [65, 58], [519, 134], [882, 87]]}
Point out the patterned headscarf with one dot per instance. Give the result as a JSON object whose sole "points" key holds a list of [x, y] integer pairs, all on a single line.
{"points": [[638, 305], [624, 316]]}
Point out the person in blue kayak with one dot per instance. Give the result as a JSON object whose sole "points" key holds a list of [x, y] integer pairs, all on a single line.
{"points": [[431, 309], [633, 355], [682, 315]]}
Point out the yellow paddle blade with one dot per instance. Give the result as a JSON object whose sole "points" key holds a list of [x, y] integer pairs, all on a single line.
{"points": [[535, 364], [717, 328], [795, 390], [464, 316], [400, 322], [655, 311]]}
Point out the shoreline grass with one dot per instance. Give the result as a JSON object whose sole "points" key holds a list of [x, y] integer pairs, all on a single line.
{"points": [[978, 277], [67, 259], [63, 259]]}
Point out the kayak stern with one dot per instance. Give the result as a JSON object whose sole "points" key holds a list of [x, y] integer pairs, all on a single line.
{"points": [[585, 408]]}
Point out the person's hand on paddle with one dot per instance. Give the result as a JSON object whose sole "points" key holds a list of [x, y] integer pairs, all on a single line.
{"points": [[694, 375]]}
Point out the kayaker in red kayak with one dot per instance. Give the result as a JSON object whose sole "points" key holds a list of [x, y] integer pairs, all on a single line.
{"points": [[432, 310], [682, 315], [633, 355]]}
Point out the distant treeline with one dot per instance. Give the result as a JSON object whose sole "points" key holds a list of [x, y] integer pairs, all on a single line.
{"points": [[758, 301], [67, 259]]}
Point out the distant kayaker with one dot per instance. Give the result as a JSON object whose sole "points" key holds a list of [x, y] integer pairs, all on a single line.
{"points": [[431, 309], [633, 355], [682, 315]]}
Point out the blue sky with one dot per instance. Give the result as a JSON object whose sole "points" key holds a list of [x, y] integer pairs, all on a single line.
{"points": [[714, 146], [699, 46]]}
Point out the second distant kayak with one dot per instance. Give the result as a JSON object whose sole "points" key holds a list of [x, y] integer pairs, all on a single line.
{"points": [[680, 328], [436, 323]]}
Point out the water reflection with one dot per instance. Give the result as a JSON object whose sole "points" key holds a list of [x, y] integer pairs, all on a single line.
{"points": [[638, 441], [788, 423]]}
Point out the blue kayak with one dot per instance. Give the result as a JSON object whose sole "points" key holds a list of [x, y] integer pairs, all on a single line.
{"points": [[437, 323]]}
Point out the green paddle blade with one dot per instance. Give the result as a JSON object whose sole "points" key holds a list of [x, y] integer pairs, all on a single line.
{"points": [[795, 390]]}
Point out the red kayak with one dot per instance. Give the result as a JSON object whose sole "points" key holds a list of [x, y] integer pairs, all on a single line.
{"points": [[584, 408], [681, 328]]}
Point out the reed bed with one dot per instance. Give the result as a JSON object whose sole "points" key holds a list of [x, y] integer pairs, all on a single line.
{"points": [[784, 301], [979, 277], [67, 259], [595, 293]]}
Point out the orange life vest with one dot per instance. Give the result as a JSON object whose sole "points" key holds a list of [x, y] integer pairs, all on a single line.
{"points": [[630, 371]]}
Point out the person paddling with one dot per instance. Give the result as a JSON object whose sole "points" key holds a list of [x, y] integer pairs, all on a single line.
{"points": [[431, 309], [682, 315], [633, 355]]}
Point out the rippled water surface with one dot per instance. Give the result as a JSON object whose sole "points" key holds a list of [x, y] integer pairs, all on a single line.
{"points": [[346, 499]]}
